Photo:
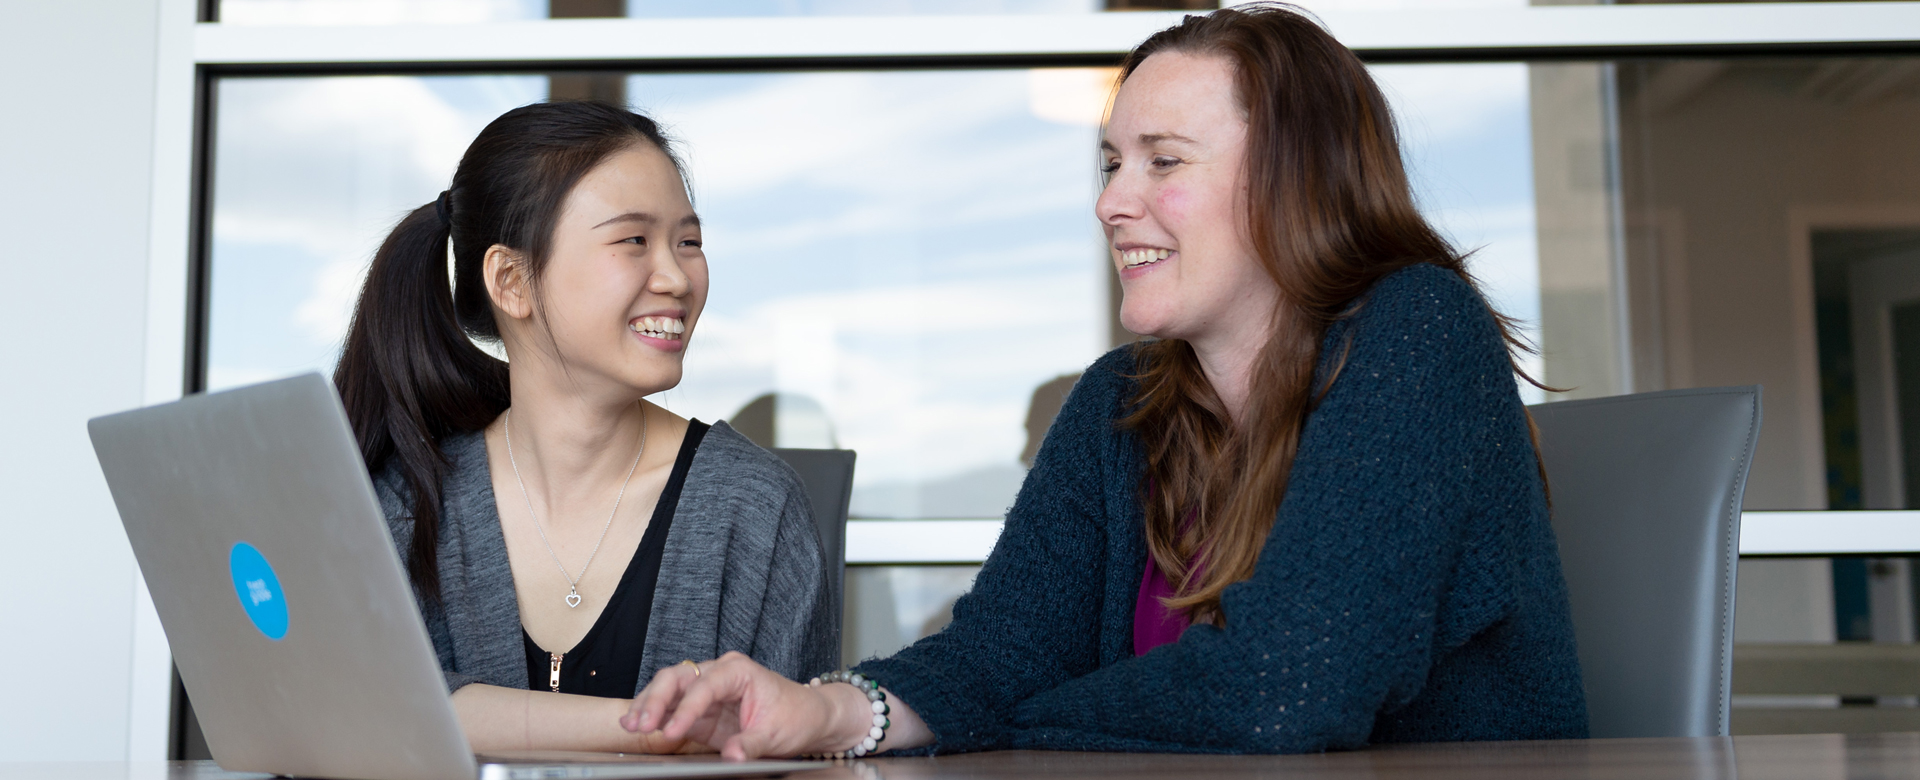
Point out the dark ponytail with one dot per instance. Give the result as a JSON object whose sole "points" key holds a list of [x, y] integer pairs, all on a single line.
{"points": [[409, 373]]}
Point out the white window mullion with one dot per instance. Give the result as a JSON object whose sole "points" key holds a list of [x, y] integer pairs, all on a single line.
{"points": [[1520, 32]]}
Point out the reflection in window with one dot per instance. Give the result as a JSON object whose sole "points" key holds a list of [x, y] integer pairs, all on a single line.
{"points": [[1769, 233], [890, 607]]}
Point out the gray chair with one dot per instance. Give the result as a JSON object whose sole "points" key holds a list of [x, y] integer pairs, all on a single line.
{"points": [[1646, 493], [828, 475]]}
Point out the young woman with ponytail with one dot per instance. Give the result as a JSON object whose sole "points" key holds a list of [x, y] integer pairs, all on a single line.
{"points": [[1309, 516], [565, 538]]}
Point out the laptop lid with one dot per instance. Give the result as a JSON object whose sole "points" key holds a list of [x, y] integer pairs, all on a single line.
{"points": [[289, 613]]}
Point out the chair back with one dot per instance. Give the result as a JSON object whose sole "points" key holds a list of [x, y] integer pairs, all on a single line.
{"points": [[828, 476], [1646, 493]]}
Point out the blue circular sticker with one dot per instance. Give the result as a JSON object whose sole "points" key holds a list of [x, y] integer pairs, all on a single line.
{"points": [[259, 590]]}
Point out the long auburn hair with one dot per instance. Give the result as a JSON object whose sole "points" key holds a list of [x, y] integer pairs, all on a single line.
{"points": [[409, 374], [1331, 213]]}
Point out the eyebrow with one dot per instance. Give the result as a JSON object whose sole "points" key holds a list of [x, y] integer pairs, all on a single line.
{"points": [[690, 220], [1152, 138]]}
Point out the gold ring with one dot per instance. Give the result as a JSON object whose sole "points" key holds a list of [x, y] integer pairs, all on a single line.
{"points": [[696, 667]]}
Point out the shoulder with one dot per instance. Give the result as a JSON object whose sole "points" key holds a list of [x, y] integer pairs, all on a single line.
{"points": [[1106, 385], [1117, 367], [729, 466], [739, 503], [1087, 423], [1422, 313], [467, 471], [1423, 296], [469, 476], [391, 489], [1100, 395]]}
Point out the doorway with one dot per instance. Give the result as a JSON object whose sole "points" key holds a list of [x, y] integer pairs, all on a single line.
{"points": [[1867, 311]]}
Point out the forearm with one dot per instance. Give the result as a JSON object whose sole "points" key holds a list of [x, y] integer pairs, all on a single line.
{"points": [[496, 718]]}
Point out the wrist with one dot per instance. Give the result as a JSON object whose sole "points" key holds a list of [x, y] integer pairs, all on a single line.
{"points": [[634, 741], [849, 717], [849, 712]]}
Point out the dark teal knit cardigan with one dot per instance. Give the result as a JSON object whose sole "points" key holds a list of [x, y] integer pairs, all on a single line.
{"points": [[1410, 590]]}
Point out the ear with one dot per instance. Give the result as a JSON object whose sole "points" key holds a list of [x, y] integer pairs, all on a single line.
{"points": [[505, 272]]}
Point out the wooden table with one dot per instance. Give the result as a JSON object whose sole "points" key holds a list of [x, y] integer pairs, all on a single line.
{"points": [[1797, 757]]}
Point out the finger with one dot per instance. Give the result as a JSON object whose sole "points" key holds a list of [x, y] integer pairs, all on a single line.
{"points": [[655, 743], [746, 745], [650, 708], [711, 730], [767, 714], [651, 698], [696, 704], [735, 749], [705, 729]]}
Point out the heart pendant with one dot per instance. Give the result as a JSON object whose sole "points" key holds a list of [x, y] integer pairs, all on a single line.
{"points": [[573, 599]]}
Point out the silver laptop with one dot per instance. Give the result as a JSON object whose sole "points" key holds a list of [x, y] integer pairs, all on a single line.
{"points": [[290, 617]]}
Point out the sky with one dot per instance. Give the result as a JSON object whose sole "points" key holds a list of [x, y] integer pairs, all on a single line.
{"points": [[914, 251]]}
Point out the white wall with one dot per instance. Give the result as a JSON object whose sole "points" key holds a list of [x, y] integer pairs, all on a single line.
{"points": [[76, 160]]}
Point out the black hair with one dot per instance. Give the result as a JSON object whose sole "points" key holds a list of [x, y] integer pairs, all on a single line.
{"points": [[409, 374]]}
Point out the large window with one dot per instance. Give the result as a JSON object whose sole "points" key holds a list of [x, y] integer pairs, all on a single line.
{"points": [[905, 262], [900, 259]]}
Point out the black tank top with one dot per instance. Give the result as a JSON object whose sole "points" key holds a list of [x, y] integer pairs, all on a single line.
{"points": [[606, 662]]}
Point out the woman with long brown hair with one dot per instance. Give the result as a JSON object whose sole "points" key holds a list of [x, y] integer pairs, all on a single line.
{"points": [[1308, 516]]}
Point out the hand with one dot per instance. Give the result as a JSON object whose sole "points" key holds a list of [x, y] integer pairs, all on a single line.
{"points": [[746, 711]]}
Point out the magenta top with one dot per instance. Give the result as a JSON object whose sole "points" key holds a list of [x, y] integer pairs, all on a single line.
{"points": [[1153, 624]]}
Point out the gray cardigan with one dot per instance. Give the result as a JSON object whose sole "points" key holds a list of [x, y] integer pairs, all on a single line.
{"points": [[742, 569]]}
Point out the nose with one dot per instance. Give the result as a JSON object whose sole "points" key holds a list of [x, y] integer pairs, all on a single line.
{"points": [[668, 278], [1119, 201]]}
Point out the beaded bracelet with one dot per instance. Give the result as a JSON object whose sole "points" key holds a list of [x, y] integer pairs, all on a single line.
{"points": [[875, 696]]}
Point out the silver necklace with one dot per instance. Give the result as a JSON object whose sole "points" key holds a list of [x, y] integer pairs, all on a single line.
{"points": [[573, 582]]}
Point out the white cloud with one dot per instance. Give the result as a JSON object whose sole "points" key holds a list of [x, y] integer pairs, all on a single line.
{"points": [[328, 165], [858, 133], [927, 381]]}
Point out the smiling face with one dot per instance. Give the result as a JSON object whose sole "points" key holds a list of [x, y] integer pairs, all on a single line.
{"points": [[625, 281], [1175, 204]]}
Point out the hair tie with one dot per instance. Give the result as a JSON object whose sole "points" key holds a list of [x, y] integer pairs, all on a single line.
{"points": [[441, 207]]}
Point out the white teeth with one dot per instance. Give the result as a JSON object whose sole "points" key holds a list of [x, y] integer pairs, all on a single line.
{"points": [[659, 327], [1139, 257]]}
